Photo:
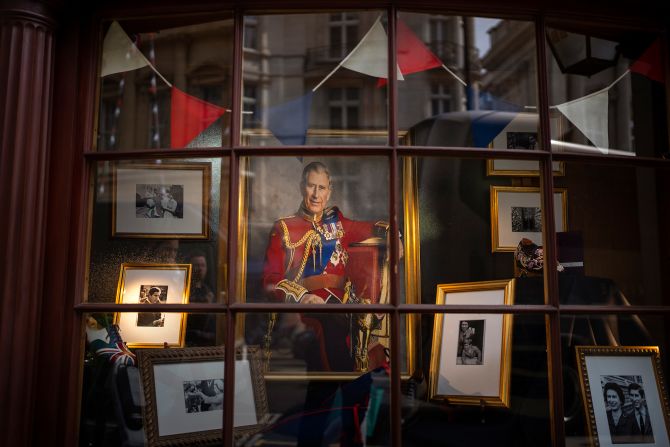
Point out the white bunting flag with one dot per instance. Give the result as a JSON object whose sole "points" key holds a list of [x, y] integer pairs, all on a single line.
{"points": [[369, 57], [119, 53], [589, 115]]}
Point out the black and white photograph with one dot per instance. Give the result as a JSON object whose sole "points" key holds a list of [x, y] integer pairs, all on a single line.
{"points": [[625, 402], [526, 219], [152, 295], [461, 341], [153, 285], [470, 342], [522, 140], [627, 413], [162, 200], [203, 395], [159, 201]]}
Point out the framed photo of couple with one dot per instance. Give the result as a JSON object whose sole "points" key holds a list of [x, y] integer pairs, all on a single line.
{"points": [[166, 200], [625, 399], [471, 355]]}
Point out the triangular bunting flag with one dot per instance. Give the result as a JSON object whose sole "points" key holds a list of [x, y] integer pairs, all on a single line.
{"points": [[589, 115], [486, 126], [289, 121], [413, 55], [650, 64], [189, 116], [370, 56], [119, 53]]}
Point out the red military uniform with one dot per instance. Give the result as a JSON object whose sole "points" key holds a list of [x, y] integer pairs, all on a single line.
{"points": [[310, 256]]}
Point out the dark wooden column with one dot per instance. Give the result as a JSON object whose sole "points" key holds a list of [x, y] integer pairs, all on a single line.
{"points": [[26, 58]]}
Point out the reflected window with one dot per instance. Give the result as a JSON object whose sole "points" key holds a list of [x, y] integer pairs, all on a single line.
{"points": [[249, 106], [251, 32], [344, 104], [343, 34], [440, 99]]}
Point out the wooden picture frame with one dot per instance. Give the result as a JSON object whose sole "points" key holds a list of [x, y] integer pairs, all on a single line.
{"points": [[479, 371], [167, 200], [516, 214], [183, 394], [143, 283], [624, 395]]}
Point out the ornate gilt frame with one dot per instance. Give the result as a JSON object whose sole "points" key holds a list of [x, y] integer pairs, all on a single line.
{"points": [[120, 291], [412, 269], [495, 208], [502, 399], [652, 352], [150, 357]]}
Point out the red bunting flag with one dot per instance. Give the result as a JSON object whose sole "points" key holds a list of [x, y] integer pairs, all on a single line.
{"points": [[413, 55], [650, 64], [189, 116]]}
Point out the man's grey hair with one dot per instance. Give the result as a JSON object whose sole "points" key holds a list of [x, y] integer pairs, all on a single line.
{"points": [[315, 166]]}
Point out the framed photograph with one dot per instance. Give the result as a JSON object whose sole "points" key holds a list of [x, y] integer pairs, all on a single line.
{"points": [[351, 227], [152, 284], [625, 399], [516, 213], [167, 200], [471, 355], [183, 394]]}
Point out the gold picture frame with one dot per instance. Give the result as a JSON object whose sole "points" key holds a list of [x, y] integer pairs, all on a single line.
{"points": [[516, 214], [167, 200], [480, 375], [608, 373], [187, 386], [412, 271], [142, 283], [520, 168]]}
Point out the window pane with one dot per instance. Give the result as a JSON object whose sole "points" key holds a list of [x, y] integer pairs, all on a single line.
{"points": [[184, 383], [140, 110], [467, 79], [294, 106], [285, 254], [317, 392], [613, 252], [607, 92], [483, 377], [159, 213], [468, 220], [619, 373]]}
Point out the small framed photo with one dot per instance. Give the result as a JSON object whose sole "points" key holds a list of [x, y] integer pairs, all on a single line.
{"points": [[183, 394], [152, 284], [471, 355], [161, 200], [625, 399], [516, 213]]}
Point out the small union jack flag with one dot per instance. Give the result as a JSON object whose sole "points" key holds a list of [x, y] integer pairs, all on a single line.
{"points": [[107, 343]]}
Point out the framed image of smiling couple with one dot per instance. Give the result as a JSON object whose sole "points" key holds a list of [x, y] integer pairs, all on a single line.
{"points": [[625, 399]]}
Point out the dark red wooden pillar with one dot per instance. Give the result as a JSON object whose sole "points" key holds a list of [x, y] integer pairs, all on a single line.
{"points": [[26, 73]]}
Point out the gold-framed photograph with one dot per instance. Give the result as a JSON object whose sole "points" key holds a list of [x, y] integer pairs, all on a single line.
{"points": [[624, 395], [166, 200], [183, 394], [520, 168], [516, 213], [153, 284], [283, 254], [471, 354]]}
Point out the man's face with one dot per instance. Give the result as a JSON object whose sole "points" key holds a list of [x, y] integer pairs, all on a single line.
{"points": [[199, 267], [613, 400], [464, 326], [154, 297], [316, 192], [636, 397]]}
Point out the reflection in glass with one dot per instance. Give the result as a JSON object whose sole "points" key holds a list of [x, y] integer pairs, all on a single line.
{"points": [[467, 81], [179, 95], [606, 92], [472, 220], [320, 86], [613, 254], [158, 240]]}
